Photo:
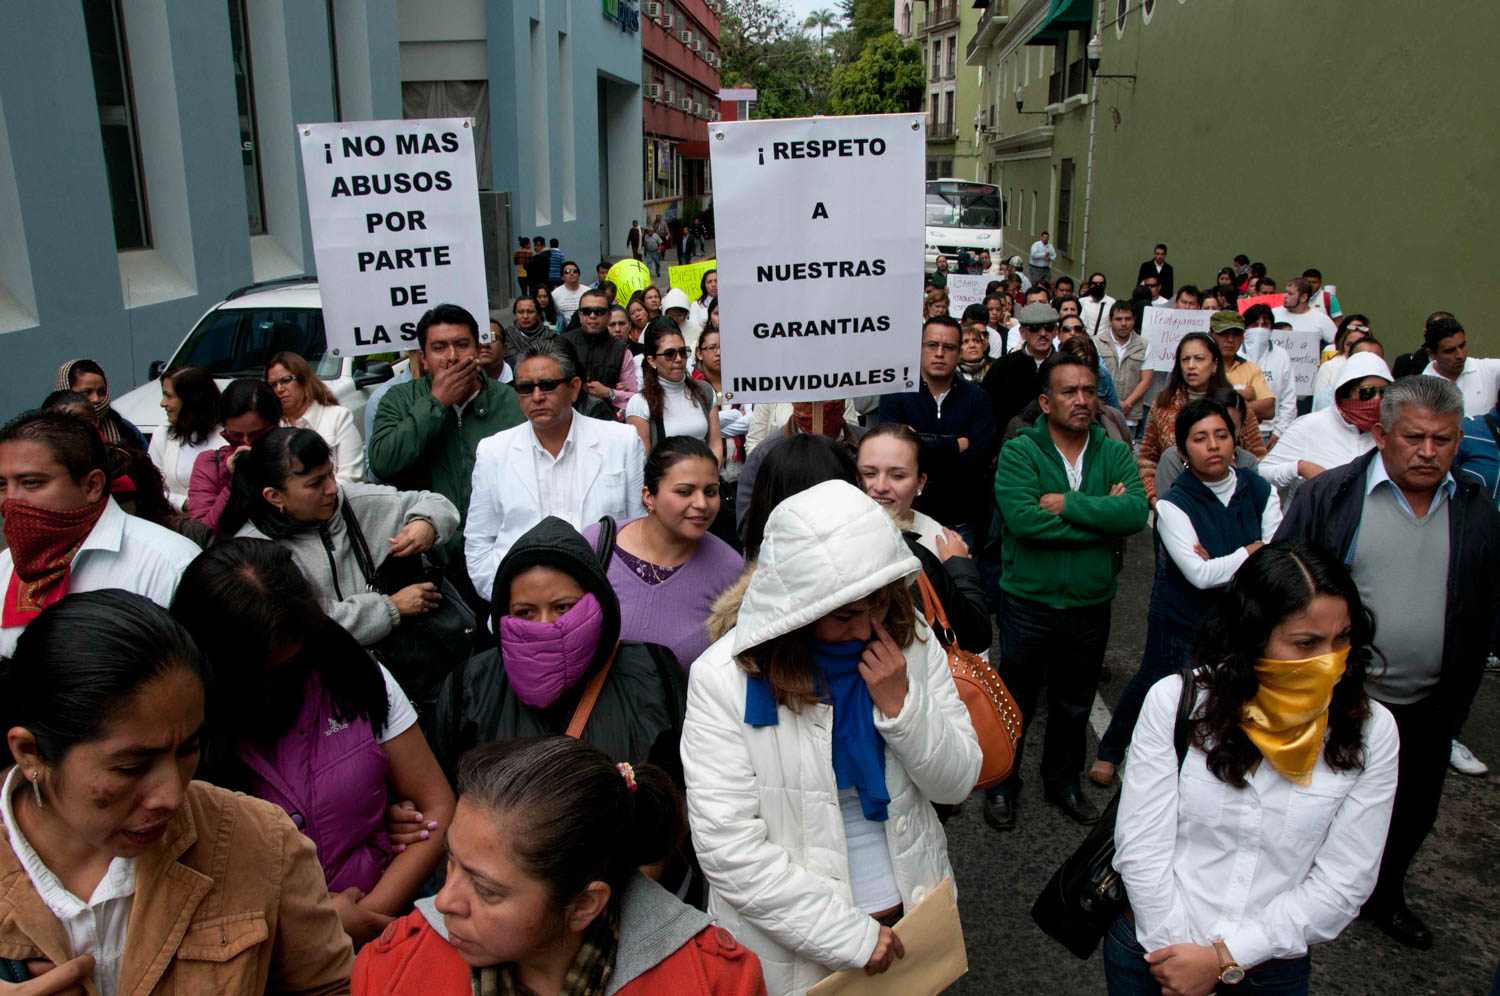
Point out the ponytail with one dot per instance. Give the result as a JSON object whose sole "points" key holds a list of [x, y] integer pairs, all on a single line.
{"points": [[571, 816]]}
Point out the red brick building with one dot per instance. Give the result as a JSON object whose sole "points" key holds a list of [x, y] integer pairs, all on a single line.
{"points": [[679, 88]]}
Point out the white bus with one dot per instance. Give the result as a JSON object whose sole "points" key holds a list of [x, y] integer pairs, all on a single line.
{"points": [[961, 214]]}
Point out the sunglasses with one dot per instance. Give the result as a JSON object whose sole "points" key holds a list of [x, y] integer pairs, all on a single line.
{"points": [[680, 353], [569, 270], [282, 381], [591, 312], [1369, 393], [550, 384]]}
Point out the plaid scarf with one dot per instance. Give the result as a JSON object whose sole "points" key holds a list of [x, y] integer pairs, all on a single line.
{"points": [[587, 976], [108, 429], [43, 543]]}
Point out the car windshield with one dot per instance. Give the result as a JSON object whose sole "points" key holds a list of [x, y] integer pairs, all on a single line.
{"points": [[237, 342], [967, 206]]}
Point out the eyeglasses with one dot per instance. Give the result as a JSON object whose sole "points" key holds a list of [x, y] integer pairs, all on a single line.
{"points": [[1369, 393], [569, 269], [1356, 328], [550, 384], [283, 381], [709, 349], [1073, 328], [933, 346], [680, 353], [593, 312]]}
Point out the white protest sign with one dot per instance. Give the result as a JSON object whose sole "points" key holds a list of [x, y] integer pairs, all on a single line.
{"points": [[1163, 329], [965, 289], [819, 228], [394, 208], [1306, 349]]}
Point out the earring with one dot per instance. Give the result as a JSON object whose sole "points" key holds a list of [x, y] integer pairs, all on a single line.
{"points": [[919, 492], [36, 786]]}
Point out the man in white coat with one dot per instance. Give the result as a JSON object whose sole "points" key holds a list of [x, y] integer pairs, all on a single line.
{"points": [[555, 463]]}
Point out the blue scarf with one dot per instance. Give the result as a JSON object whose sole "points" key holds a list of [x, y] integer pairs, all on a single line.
{"points": [[858, 750]]}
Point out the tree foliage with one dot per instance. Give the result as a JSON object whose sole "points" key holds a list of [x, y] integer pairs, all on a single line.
{"points": [[885, 79]]}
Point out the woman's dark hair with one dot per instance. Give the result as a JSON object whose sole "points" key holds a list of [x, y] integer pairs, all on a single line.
{"points": [[976, 313], [151, 501], [199, 414], [85, 367], [1082, 347], [1341, 337], [671, 451], [656, 330], [792, 466], [568, 815], [80, 662], [1231, 399], [1177, 386], [1276, 582], [241, 599], [1226, 271], [65, 401], [311, 385], [1140, 300], [548, 311], [272, 461], [1196, 411], [249, 394], [900, 431]]}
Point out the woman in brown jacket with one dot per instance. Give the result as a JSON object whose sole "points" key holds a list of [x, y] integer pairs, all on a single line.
{"points": [[1197, 371], [189, 888]]}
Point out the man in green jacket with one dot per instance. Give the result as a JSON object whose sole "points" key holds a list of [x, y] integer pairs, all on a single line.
{"points": [[426, 430], [1067, 493]]}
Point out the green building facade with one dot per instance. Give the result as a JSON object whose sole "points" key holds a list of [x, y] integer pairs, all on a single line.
{"points": [[941, 29], [1347, 136]]}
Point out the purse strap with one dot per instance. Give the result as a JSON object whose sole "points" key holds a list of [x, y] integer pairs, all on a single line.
{"points": [[590, 696], [1182, 727], [357, 540], [932, 608], [604, 544]]}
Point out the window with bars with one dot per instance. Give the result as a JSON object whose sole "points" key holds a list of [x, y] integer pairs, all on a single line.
{"points": [[1063, 230], [104, 26]]}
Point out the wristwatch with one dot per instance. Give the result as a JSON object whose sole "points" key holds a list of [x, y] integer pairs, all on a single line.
{"points": [[1230, 972]]}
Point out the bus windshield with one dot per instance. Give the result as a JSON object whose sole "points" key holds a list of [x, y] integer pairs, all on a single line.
{"points": [[963, 205]]}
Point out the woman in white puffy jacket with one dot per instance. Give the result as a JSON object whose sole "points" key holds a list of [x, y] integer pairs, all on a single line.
{"points": [[819, 731]]}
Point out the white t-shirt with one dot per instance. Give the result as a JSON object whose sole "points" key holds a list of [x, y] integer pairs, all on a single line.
{"points": [[567, 301], [679, 417], [1308, 321], [399, 714], [872, 877]]}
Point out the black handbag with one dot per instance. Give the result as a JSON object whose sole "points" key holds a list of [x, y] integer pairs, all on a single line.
{"points": [[1085, 895], [422, 650]]}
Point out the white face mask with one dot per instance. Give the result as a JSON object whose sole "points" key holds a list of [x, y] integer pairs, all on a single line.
{"points": [[1257, 342]]}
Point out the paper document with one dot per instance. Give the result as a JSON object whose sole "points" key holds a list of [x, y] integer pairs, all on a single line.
{"points": [[935, 955]]}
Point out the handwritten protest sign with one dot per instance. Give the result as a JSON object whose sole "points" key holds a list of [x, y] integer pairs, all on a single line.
{"points": [[1306, 349], [1163, 329], [394, 208], [818, 287], [965, 289], [690, 277]]}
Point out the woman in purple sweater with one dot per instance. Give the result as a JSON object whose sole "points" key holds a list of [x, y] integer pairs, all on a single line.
{"points": [[667, 568]]}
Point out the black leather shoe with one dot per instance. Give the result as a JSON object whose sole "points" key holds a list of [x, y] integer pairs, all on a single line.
{"points": [[1000, 812], [1401, 923], [1073, 802]]}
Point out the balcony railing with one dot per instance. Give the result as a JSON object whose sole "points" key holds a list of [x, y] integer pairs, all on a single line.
{"points": [[940, 131], [941, 16], [952, 68], [989, 26]]}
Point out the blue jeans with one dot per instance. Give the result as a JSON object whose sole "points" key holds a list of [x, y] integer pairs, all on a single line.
{"points": [[653, 260], [1127, 974], [1062, 649], [1168, 648]]}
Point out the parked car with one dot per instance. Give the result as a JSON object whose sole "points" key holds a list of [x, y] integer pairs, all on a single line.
{"points": [[239, 334]]}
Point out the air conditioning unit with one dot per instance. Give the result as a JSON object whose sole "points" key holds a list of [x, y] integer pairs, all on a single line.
{"points": [[698, 109], [652, 91], [687, 103], [667, 20], [698, 45], [685, 36], [652, 9]]}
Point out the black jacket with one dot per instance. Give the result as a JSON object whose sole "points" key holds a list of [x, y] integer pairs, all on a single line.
{"points": [[638, 716], [600, 356], [1012, 383], [1327, 511], [960, 590], [1148, 269], [958, 485]]}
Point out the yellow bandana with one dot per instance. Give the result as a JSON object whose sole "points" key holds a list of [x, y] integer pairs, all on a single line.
{"points": [[1288, 716]]}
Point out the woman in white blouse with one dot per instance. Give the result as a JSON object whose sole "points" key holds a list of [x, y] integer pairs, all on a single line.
{"points": [[1267, 838], [1213, 517], [307, 403], [670, 403], [190, 398]]}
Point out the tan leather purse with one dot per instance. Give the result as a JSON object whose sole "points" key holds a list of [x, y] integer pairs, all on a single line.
{"points": [[995, 715]]}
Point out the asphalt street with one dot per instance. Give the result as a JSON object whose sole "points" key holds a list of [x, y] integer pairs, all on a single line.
{"points": [[1453, 884]]}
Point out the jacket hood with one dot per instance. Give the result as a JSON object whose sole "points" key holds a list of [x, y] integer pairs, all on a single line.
{"points": [[825, 547], [725, 611], [676, 298], [1359, 366], [554, 543]]}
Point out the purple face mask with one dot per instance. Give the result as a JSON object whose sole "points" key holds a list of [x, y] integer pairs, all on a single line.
{"points": [[543, 660]]}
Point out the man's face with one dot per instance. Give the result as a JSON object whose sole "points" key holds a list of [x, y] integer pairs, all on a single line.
{"points": [[1064, 286], [939, 351], [1419, 447], [601, 273], [1230, 341], [538, 245], [570, 277], [1069, 309], [1121, 323], [984, 259], [526, 313], [1152, 284], [488, 352], [545, 409], [30, 473], [1005, 269], [1072, 398], [448, 345], [1314, 284], [617, 323], [1450, 355], [1038, 338], [942, 264], [1045, 238], [1294, 298], [1036, 296], [592, 311], [1186, 302], [1159, 254]]}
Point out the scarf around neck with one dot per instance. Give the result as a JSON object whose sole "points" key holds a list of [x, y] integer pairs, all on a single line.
{"points": [[587, 976], [43, 544], [107, 427], [1288, 717]]}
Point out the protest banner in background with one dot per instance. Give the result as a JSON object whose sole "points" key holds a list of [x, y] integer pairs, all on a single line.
{"points": [[1306, 349], [819, 225], [965, 289], [394, 208], [1269, 300], [1163, 329], [690, 277]]}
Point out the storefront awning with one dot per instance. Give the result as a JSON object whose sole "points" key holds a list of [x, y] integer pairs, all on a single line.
{"points": [[1065, 16]]}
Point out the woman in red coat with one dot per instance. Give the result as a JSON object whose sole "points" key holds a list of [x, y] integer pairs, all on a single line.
{"points": [[543, 894]]}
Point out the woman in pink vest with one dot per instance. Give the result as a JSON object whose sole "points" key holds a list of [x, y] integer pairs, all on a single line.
{"points": [[303, 717]]}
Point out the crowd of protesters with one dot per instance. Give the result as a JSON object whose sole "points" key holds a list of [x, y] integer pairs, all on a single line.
{"points": [[565, 674]]}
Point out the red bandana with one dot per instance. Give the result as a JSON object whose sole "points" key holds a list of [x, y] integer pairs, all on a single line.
{"points": [[43, 543], [833, 419]]}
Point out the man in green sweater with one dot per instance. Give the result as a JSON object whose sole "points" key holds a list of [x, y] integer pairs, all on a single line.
{"points": [[1067, 493], [426, 430]]}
